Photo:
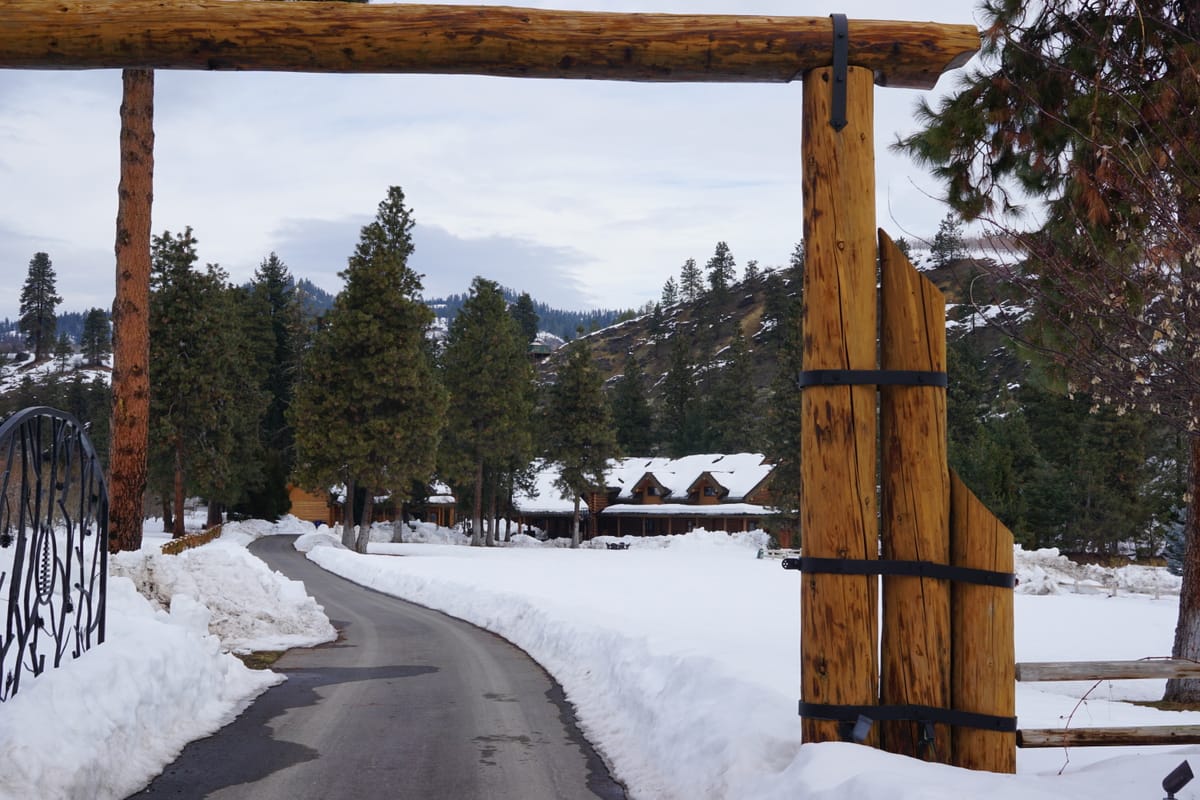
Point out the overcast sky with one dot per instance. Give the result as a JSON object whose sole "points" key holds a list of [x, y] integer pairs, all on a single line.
{"points": [[586, 194]]}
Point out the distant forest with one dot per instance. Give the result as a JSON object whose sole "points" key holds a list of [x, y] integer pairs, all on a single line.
{"points": [[317, 301], [563, 324]]}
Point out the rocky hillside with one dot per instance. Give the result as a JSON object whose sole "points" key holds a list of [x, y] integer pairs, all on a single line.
{"points": [[759, 308]]}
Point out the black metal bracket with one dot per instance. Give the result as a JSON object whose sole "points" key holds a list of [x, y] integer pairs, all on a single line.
{"points": [[857, 719], [913, 569], [872, 377], [841, 66]]}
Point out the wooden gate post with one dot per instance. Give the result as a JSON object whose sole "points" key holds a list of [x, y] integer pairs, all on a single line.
{"points": [[983, 668], [838, 650], [915, 488]]}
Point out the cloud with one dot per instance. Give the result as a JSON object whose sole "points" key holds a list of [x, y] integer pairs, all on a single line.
{"points": [[317, 250]]}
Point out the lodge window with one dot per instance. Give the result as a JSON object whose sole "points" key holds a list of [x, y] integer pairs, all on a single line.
{"points": [[709, 491]]}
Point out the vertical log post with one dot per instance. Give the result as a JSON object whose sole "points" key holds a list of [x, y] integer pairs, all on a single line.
{"points": [[838, 505], [130, 422], [915, 488], [983, 660]]}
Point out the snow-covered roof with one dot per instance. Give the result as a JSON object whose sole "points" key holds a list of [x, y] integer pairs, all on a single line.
{"points": [[737, 472], [687, 510], [546, 498]]}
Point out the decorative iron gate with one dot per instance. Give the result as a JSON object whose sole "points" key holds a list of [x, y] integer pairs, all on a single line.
{"points": [[53, 543]]}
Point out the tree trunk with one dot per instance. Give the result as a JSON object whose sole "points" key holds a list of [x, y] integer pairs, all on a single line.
{"points": [[348, 515], [477, 509], [168, 517], [575, 524], [179, 528], [491, 531], [1187, 629], [129, 426], [364, 530], [214, 514]]}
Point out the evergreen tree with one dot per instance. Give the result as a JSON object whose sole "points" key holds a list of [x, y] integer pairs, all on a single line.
{"points": [[63, 350], [204, 400], [369, 407], [752, 273], [276, 315], [632, 415], [690, 281], [681, 422], [948, 244], [579, 429], [95, 343], [1089, 110], [39, 298], [722, 269], [732, 407], [489, 380], [670, 293], [526, 316], [783, 417]]}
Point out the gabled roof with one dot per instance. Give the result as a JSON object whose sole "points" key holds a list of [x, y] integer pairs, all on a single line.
{"points": [[701, 478], [739, 473], [649, 479]]}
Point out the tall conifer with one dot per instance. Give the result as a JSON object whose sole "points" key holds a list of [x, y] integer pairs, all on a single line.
{"points": [[489, 379], [369, 407], [39, 299], [579, 429]]}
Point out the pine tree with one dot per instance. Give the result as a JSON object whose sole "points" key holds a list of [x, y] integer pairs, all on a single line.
{"points": [[752, 272], [369, 407], [722, 269], [670, 293], [1089, 110], [277, 320], [632, 415], [948, 244], [732, 406], [681, 422], [204, 399], [579, 429], [691, 284], [39, 298], [96, 342], [526, 317], [489, 380], [63, 350]]}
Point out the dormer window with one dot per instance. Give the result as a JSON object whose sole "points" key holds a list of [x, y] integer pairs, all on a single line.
{"points": [[651, 491], [710, 491]]}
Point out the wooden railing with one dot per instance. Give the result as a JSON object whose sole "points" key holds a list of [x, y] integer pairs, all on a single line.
{"points": [[1134, 735]]}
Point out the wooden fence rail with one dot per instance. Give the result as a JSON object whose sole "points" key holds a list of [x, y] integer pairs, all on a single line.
{"points": [[1107, 670], [1126, 736]]}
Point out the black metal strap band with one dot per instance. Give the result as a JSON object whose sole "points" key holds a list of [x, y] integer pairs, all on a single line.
{"points": [[841, 65], [872, 377], [909, 713], [915, 569]]}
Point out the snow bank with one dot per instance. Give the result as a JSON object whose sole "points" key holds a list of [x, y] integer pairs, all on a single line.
{"points": [[104, 725], [251, 606], [1046, 571]]}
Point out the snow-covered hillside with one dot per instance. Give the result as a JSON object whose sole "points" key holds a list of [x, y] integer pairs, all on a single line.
{"points": [[12, 373]]}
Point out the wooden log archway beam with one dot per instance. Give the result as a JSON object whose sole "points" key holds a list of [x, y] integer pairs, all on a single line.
{"points": [[476, 40]]}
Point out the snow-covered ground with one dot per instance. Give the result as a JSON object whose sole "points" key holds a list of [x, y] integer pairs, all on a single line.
{"points": [[681, 655]]}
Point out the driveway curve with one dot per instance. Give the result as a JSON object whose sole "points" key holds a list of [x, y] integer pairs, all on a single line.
{"points": [[407, 703]]}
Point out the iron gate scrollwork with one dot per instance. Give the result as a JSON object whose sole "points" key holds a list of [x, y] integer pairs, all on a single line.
{"points": [[53, 543]]}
